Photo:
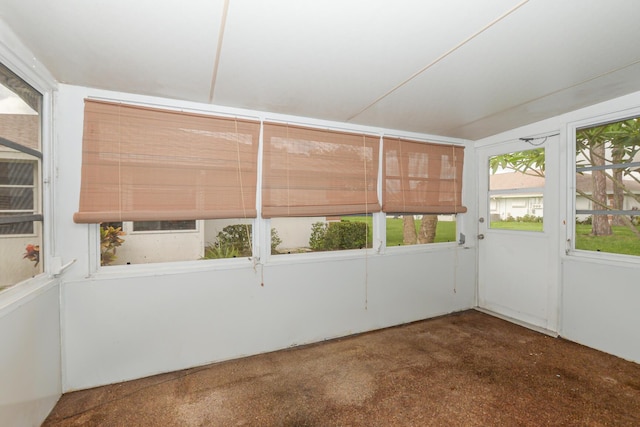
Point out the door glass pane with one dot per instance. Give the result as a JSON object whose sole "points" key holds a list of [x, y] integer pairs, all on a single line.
{"points": [[516, 187]]}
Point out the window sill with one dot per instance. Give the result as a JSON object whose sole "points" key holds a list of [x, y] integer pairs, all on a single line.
{"points": [[604, 258], [23, 292], [165, 268]]}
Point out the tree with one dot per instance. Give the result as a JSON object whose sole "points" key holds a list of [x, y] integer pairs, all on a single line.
{"points": [[409, 235], [426, 233], [428, 226], [591, 143], [619, 140]]}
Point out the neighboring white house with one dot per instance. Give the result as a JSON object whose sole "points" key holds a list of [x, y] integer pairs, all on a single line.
{"points": [[18, 195], [166, 241], [527, 195]]}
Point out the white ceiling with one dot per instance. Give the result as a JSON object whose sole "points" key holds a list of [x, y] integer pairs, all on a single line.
{"points": [[459, 68]]}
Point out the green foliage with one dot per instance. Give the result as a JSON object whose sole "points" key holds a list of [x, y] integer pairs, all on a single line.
{"points": [[109, 241], [525, 218], [235, 237], [587, 221], [318, 233], [275, 241], [216, 252], [530, 162], [338, 235], [235, 240]]}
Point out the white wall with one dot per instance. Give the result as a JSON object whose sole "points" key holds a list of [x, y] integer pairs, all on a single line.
{"points": [[30, 382], [127, 322], [598, 293], [600, 305]]}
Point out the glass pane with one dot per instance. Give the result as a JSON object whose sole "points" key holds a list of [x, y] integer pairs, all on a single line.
{"points": [[420, 229], [228, 238], [320, 234], [607, 193], [20, 243], [516, 187], [164, 225], [13, 172], [15, 228], [124, 244], [16, 199]]}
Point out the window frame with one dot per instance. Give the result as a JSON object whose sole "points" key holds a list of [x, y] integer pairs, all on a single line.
{"points": [[43, 84], [570, 238], [261, 236]]}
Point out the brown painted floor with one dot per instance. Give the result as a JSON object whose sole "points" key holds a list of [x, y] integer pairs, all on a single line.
{"points": [[468, 369]]}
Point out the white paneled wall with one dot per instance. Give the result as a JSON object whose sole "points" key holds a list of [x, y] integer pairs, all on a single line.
{"points": [[123, 323], [30, 382]]}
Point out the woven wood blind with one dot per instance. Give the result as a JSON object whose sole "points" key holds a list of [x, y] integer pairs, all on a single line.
{"points": [[422, 178], [311, 172], [146, 164]]}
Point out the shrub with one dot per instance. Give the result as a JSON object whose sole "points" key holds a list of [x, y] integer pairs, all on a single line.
{"points": [[275, 241], [530, 218], [587, 221], [109, 241], [216, 252], [338, 235], [235, 237], [235, 240], [318, 233]]}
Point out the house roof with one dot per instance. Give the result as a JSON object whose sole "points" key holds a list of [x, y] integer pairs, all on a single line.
{"points": [[512, 180], [457, 68]]}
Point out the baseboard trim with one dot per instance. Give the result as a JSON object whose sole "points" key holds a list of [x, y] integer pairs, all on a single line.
{"points": [[518, 322]]}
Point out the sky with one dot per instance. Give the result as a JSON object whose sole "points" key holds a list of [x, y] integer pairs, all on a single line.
{"points": [[10, 103]]}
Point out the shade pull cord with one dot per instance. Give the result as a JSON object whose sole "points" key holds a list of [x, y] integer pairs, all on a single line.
{"points": [[120, 194], [366, 230], [288, 170], [402, 183], [455, 210]]}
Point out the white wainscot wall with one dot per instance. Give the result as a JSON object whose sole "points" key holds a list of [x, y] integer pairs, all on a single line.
{"points": [[130, 327], [30, 377], [600, 306]]}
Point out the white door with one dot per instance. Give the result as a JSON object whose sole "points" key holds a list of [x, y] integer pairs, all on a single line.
{"points": [[517, 262]]}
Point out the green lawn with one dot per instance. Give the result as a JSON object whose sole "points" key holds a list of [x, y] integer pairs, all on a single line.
{"points": [[445, 232], [514, 225], [623, 241]]}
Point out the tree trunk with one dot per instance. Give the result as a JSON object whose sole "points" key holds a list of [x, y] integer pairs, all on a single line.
{"points": [[600, 224], [618, 191], [409, 235], [428, 227]]}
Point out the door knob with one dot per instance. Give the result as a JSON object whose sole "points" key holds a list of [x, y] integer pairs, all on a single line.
{"points": [[480, 236]]}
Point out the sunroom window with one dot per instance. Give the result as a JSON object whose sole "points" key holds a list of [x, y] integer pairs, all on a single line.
{"points": [[160, 182], [422, 191], [607, 188], [20, 180], [319, 188]]}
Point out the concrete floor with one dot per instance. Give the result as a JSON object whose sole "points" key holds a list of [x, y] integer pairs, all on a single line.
{"points": [[467, 369]]}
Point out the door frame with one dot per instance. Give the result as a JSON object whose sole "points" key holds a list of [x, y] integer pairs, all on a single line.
{"points": [[552, 226]]}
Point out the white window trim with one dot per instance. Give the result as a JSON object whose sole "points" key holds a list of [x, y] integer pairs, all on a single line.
{"points": [[570, 250], [36, 76]]}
